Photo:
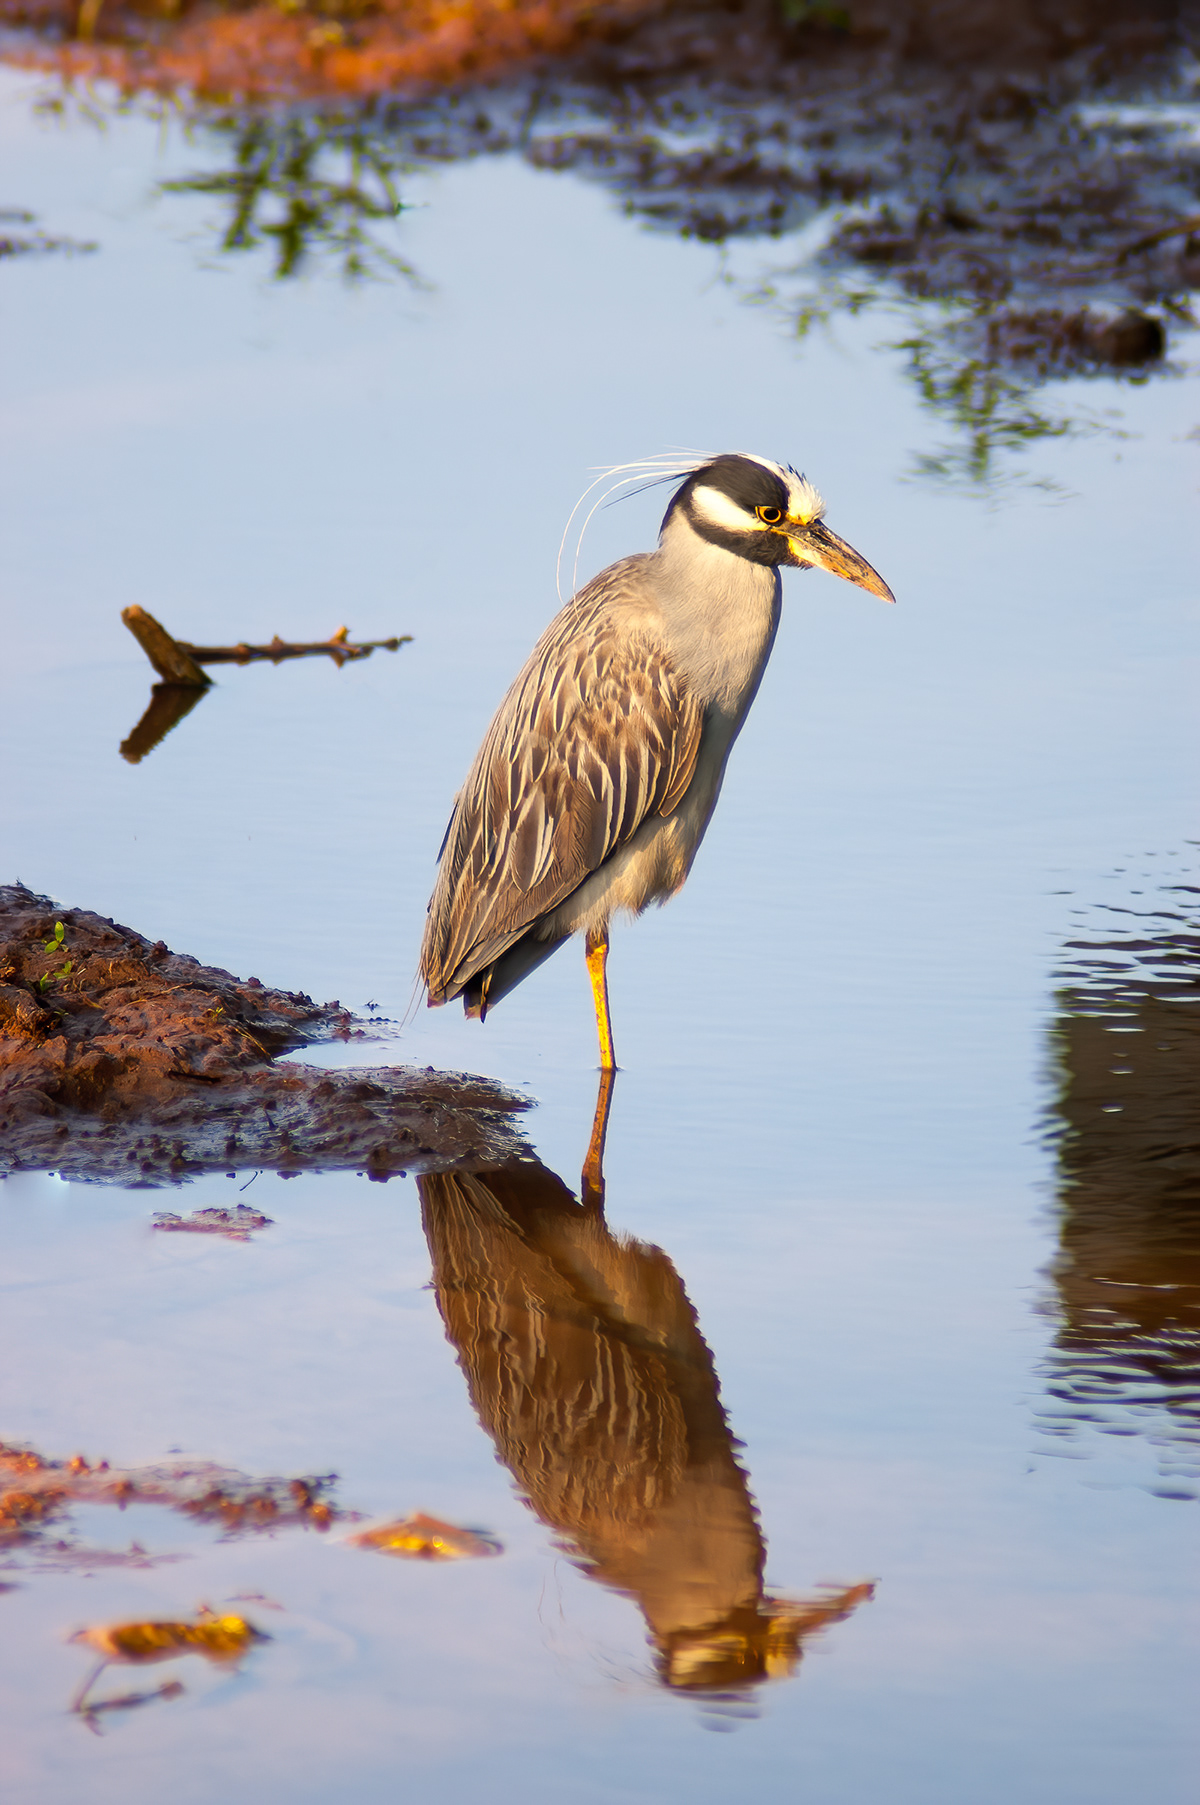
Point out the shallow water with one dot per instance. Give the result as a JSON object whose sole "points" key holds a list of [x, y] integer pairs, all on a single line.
{"points": [[839, 1045]]}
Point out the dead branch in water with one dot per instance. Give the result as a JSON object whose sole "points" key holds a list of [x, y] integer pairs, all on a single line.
{"points": [[178, 661], [173, 662], [183, 682], [338, 647]]}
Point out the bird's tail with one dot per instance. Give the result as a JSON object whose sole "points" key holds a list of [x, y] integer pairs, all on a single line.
{"points": [[494, 981]]}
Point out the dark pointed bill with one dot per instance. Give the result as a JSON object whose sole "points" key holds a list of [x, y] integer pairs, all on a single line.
{"points": [[815, 544]]}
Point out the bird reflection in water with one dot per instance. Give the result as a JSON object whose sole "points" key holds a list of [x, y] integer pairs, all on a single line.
{"points": [[1126, 1359], [587, 1368]]}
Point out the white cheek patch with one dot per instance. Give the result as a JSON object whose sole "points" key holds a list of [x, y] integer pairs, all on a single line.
{"points": [[716, 508]]}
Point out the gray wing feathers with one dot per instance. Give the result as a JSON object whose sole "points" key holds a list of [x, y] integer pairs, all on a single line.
{"points": [[596, 734]]}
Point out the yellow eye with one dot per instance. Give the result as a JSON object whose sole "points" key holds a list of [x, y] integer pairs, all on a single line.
{"points": [[769, 516]]}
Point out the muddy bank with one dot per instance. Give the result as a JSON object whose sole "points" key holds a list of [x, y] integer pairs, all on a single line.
{"points": [[315, 49], [122, 1061]]}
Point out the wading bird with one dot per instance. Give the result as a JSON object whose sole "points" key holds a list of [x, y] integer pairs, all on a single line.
{"points": [[600, 772]]}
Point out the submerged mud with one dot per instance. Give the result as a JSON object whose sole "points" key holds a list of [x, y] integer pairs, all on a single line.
{"points": [[123, 1062]]}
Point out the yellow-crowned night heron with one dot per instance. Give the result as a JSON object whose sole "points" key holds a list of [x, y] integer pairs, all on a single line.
{"points": [[600, 772]]}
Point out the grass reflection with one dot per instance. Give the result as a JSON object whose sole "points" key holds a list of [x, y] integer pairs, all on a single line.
{"points": [[988, 410], [309, 189], [586, 1366]]}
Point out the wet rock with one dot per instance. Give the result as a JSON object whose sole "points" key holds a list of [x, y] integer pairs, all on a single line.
{"points": [[121, 1061]]}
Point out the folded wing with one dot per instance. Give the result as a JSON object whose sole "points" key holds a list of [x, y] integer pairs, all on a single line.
{"points": [[597, 734]]}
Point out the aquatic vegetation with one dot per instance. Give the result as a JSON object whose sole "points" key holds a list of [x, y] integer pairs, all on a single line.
{"points": [[17, 241], [308, 194], [54, 946]]}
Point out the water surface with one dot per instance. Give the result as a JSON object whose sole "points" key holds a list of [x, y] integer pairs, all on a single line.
{"points": [[842, 1046]]}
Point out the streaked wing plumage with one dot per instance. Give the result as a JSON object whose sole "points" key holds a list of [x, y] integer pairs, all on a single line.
{"points": [[596, 734]]}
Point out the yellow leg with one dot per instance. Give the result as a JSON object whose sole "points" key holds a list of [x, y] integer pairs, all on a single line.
{"points": [[592, 1189], [597, 960]]}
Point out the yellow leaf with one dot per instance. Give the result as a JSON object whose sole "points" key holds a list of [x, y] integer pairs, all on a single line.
{"points": [[216, 1638], [425, 1538]]}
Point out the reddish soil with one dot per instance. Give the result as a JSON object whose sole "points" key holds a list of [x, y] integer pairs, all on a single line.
{"points": [[142, 1066], [240, 50]]}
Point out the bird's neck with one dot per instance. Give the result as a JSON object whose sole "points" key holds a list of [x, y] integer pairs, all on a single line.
{"points": [[720, 612]]}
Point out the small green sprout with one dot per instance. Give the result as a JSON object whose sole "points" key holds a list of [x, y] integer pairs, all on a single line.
{"points": [[57, 943]]}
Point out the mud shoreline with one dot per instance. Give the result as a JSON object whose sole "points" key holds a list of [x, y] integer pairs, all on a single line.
{"points": [[375, 49], [123, 1062]]}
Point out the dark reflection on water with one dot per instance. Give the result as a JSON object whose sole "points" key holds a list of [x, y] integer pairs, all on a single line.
{"points": [[1126, 1359], [1022, 224], [168, 705], [587, 1368]]}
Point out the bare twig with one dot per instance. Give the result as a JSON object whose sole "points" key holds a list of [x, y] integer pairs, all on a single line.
{"points": [[178, 662], [338, 647]]}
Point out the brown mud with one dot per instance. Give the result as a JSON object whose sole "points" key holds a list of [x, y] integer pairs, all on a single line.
{"points": [[240, 49], [123, 1062], [37, 1495]]}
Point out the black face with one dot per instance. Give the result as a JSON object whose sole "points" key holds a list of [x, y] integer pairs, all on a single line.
{"points": [[749, 486]]}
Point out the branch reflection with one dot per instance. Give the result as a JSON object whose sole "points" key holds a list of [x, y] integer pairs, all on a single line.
{"points": [[586, 1366], [1126, 1359]]}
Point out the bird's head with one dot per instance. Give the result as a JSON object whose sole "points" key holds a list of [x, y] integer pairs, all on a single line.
{"points": [[768, 514]]}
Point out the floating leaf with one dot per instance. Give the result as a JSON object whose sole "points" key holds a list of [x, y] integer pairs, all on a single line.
{"points": [[422, 1538], [224, 1638]]}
